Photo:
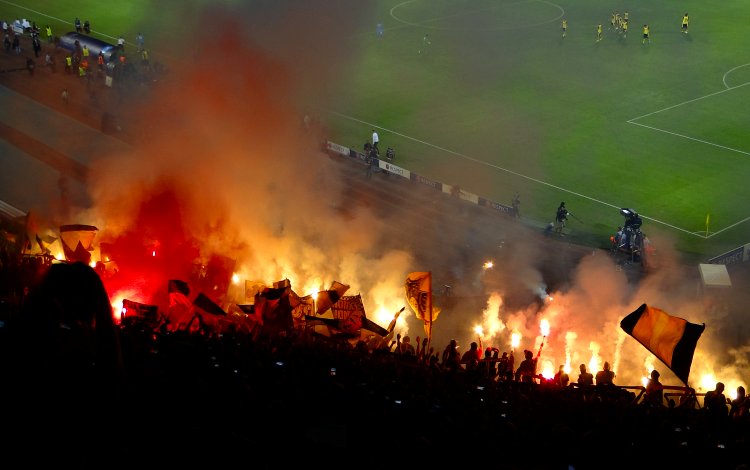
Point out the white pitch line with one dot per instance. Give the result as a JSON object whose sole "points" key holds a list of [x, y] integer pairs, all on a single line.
{"points": [[730, 226], [59, 19], [460, 13], [686, 102], [54, 18], [690, 138], [480, 162], [724, 78], [728, 88]]}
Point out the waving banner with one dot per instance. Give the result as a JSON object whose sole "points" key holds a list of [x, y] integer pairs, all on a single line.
{"points": [[418, 288], [672, 339]]}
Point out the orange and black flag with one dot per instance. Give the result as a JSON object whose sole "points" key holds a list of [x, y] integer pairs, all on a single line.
{"points": [[671, 339]]}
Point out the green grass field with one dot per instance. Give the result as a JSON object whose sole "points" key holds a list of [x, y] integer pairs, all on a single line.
{"points": [[500, 103]]}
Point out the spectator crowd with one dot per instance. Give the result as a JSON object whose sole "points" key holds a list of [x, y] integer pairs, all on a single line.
{"points": [[102, 394]]}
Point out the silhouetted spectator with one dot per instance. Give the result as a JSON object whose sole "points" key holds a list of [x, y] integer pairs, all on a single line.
{"points": [[606, 376], [63, 359], [561, 378], [526, 371], [451, 360], [585, 378], [654, 395], [715, 402], [739, 406]]}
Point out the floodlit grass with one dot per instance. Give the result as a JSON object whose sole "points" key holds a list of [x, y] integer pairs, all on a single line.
{"points": [[519, 108], [500, 103]]}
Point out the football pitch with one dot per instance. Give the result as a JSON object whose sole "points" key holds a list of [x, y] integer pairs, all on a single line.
{"points": [[488, 95]]}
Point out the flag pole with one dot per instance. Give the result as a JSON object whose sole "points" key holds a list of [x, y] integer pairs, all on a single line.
{"points": [[429, 341], [539, 353]]}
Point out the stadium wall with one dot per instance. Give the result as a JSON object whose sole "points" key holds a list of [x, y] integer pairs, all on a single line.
{"points": [[404, 173], [738, 255]]}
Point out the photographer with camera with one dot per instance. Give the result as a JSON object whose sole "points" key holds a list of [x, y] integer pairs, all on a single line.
{"points": [[560, 217]]}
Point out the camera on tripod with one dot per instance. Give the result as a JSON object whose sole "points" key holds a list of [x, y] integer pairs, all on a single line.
{"points": [[632, 219], [390, 154]]}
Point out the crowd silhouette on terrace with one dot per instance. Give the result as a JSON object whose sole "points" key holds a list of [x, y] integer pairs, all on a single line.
{"points": [[92, 393]]}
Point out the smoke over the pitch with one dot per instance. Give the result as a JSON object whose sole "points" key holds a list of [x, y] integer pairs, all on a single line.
{"points": [[224, 164]]}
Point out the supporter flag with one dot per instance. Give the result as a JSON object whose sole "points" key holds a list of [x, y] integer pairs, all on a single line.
{"points": [[327, 298], [132, 309], [370, 325], [272, 305], [392, 324], [419, 297], [203, 302], [253, 288], [671, 339], [44, 241], [301, 307], [77, 240], [351, 316], [178, 293]]}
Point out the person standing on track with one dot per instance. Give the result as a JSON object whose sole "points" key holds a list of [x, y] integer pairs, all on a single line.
{"points": [[375, 140], [560, 217]]}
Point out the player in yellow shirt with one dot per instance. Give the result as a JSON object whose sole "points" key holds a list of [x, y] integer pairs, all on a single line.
{"points": [[685, 21], [564, 27], [624, 29], [598, 32], [646, 34]]}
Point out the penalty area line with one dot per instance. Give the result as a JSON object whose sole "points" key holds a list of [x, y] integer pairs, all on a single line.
{"points": [[690, 138]]}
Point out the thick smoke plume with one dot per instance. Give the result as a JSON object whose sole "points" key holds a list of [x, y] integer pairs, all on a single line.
{"points": [[224, 165]]}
